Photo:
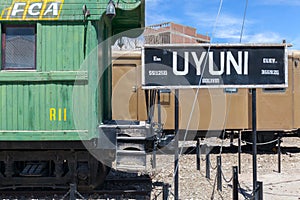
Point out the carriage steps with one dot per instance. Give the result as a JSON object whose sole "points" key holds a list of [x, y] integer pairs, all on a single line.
{"points": [[131, 140], [131, 152]]}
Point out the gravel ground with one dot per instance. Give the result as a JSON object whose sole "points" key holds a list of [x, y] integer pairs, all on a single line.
{"points": [[194, 185]]}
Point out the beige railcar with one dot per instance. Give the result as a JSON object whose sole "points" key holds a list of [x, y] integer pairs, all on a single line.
{"points": [[214, 109], [294, 61], [278, 110], [128, 99]]}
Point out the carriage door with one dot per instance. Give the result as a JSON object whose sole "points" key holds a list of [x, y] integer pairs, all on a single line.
{"points": [[124, 90]]}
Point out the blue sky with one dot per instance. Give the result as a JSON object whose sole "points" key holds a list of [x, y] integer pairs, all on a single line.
{"points": [[267, 21]]}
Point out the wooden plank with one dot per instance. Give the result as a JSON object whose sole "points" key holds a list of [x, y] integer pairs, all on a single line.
{"points": [[34, 76]]}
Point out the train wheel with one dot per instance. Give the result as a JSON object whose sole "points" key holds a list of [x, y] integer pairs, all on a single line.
{"points": [[266, 141], [91, 176]]}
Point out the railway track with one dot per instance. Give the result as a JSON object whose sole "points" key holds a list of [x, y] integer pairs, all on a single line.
{"points": [[114, 188]]}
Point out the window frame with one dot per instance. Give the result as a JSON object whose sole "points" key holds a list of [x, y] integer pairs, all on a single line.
{"points": [[231, 90], [274, 90], [3, 46]]}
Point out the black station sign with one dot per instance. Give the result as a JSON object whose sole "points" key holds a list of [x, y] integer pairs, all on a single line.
{"points": [[215, 66]]}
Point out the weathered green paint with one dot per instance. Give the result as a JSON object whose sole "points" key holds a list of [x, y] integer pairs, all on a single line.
{"points": [[42, 76], [42, 135], [62, 47], [25, 106], [126, 20]]}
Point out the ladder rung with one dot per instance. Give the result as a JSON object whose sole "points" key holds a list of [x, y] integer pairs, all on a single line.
{"points": [[129, 152], [131, 167], [131, 138]]}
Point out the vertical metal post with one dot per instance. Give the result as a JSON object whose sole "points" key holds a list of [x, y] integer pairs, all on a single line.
{"points": [[147, 105], [219, 173], [231, 139], [72, 191], [152, 103], [235, 180], [254, 147], [159, 123], [279, 155], [239, 152], [260, 190], [207, 162], [158, 108], [198, 155], [9, 167], [176, 157], [154, 154], [166, 187]]}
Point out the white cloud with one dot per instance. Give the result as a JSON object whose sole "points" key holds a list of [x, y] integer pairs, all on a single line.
{"points": [[157, 12], [154, 18], [151, 12], [265, 37], [280, 2], [227, 27]]}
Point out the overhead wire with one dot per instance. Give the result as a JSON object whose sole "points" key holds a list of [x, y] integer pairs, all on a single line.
{"points": [[241, 36], [244, 19], [229, 102], [200, 80], [201, 77], [227, 111]]}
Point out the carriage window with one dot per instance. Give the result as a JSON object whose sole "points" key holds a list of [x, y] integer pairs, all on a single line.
{"points": [[18, 47], [274, 90], [231, 90]]}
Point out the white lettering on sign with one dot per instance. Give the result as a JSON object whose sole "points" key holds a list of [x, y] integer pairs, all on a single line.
{"points": [[186, 64], [211, 64], [33, 6], [199, 61], [158, 73], [18, 7], [52, 9], [156, 59], [33, 10], [210, 80], [270, 72], [227, 60], [269, 60]]}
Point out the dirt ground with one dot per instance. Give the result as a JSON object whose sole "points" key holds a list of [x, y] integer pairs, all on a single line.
{"points": [[194, 185]]}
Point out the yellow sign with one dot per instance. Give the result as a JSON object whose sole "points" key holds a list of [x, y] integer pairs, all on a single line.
{"points": [[33, 10], [58, 114]]}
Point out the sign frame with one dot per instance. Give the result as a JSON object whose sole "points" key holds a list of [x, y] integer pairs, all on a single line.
{"points": [[209, 46]]}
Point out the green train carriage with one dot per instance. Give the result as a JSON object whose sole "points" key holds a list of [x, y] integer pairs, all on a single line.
{"points": [[44, 46]]}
